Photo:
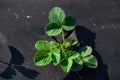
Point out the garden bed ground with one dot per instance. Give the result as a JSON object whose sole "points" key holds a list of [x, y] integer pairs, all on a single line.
{"points": [[22, 23]]}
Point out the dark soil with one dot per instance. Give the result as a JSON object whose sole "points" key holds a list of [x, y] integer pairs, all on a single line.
{"points": [[22, 23]]}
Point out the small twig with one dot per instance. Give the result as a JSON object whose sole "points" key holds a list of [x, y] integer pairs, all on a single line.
{"points": [[69, 33], [55, 39], [4, 62]]}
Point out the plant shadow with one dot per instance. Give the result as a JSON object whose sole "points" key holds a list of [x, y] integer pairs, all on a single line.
{"points": [[16, 61], [87, 37]]}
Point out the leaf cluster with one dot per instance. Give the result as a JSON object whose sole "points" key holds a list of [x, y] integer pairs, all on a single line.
{"points": [[61, 53]]}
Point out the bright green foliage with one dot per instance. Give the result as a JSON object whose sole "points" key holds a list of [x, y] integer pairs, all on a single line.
{"points": [[72, 54], [77, 67], [56, 15], [56, 56], [54, 44], [53, 29], [43, 45], [69, 23], [58, 22], [46, 53], [90, 61], [73, 42], [42, 58], [87, 58], [85, 51], [62, 52], [66, 64]]}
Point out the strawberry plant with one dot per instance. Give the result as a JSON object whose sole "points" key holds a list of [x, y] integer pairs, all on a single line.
{"points": [[62, 53]]}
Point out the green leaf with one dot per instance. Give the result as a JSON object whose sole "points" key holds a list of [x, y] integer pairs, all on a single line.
{"points": [[54, 44], [42, 45], [72, 54], [66, 45], [53, 29], [56, 15], [91, 61], [76, 67], [73, 42], [42, 58], [79, 60], [66, 64], [69, 23], [56, 56], [85, 51]]}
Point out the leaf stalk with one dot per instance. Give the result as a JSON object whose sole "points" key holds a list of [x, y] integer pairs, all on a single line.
{"points": [[63, 37]]}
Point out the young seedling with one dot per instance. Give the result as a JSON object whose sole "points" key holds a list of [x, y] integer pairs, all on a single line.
{"points": [[62, 52]]}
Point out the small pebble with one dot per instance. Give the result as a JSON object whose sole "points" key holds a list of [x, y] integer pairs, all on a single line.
{"points": [[22, 10], [16, 15], [8, 9], [44, 13], [112, 24], [103, 27], [94, 24], [29, 17]]}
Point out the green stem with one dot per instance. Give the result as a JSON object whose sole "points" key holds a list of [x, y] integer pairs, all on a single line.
{"points": [[63, 37], [63, 40]]}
